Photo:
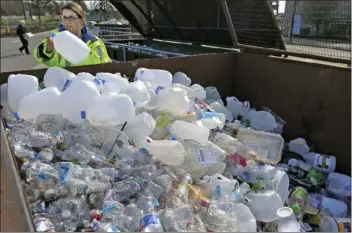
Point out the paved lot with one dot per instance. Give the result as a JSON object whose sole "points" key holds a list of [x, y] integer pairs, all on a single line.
{"points": [[13, 60]]}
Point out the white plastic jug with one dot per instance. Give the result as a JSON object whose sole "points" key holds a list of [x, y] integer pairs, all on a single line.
{"points": [[173, 100], [182, 78], [58, 77], [190, 92], [139, 126], [169, 152], [336, 207], [262, 120], [339, 184], [299, 146], [70, 47], [199, 90], [190, 131], [209, 184], [211, 120], [138, 93], [246, 220], [236, 107], [105, 110], [287, 221], [138, 73], [334, 224], [18, 87], [38, 103], [158, 78], [77, 97], [217, 107], [112, 82], [264, 205], [325, 163], [212, 93], [230, 144], [4, 94], [90, 77]]}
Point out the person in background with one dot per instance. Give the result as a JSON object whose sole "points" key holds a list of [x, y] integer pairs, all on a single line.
{"points": [[21, 31], [73, 21]]}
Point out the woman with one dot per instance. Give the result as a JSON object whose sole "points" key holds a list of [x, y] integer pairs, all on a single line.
{"points": [[73, 21], [21, 31]]}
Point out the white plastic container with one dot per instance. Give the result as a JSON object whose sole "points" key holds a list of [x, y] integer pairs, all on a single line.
{"points": [[105, 110], [191, 131], [158, 78], [299, 146], [112, 82], [281, 183], [325, 163], [4, 94], [173, 100], [200, 92], [90, 77], [212, 93], [140, 126], [339, 184], [182, 78], [138, 93], [262, 120], [190, 92], [77, 97], [334, 224], [336, 207], [217, 107], [169, 152], [65, 43], [58, 77], [138, 73], [287, 221], [18, 87], [236, 107], [38, 103], [209, 184], [211, 120], [264, 205], [246, 220], [265, 147]]}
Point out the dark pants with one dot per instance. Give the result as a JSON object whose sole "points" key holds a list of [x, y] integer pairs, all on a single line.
{"points": [[24, 44]]}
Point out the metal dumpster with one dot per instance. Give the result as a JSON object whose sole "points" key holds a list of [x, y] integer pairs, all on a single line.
{"points": [[314, 99]]}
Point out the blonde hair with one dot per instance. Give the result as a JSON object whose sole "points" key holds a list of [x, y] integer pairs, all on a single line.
{"points": [[75, 8]]}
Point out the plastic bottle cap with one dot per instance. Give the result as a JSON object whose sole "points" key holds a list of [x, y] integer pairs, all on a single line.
{"points": [[83, 115], [296, 208], [173, 138], [52, 35], [284, 212]]}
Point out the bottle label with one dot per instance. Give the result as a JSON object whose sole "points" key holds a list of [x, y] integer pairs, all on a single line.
{"points": [[108, 207], [205, 156], [67, 84], [112, 228], [41, 176], [343, 224], [322, 161], [217, 192], [205, 115], [60, 137], [141, 181], [162, 120], [149, 219], [156, 203]]}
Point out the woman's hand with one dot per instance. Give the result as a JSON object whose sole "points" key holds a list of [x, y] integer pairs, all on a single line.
{"points": [[50, 44]]}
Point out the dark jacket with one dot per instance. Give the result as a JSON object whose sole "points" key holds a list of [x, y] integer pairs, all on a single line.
{"points": [[21, 30]]}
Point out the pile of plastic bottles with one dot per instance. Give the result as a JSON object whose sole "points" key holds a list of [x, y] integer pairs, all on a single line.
{"points": [[100, 153]]}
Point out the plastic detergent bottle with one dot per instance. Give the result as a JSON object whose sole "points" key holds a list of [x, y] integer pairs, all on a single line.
{"points": [[58, 77], [20, 86], [339, 184], [65, 43], [325, 163], [38, 103]]}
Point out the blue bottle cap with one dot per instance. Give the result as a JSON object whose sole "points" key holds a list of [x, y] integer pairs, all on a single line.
{"points": [[53, 34], [83, 115], [172, 137]]}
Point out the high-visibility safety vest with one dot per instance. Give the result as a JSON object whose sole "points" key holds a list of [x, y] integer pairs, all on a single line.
{"points": [[98, 53]]}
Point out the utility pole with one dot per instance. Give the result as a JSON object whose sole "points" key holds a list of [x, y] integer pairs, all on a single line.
{"points": [[292, 20]]}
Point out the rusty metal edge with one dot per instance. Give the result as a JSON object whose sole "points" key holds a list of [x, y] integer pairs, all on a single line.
{"points": [[270, 51], [22, 204]]}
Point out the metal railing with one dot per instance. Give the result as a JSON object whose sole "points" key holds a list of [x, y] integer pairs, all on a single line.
{"points": [[313, 29], [141, 50]]}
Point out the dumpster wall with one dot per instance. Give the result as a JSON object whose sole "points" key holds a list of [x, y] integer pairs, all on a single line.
{"points": [[314, 99]]}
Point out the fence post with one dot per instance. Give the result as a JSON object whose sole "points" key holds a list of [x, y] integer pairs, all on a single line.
{"points": [[292, 20]]}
